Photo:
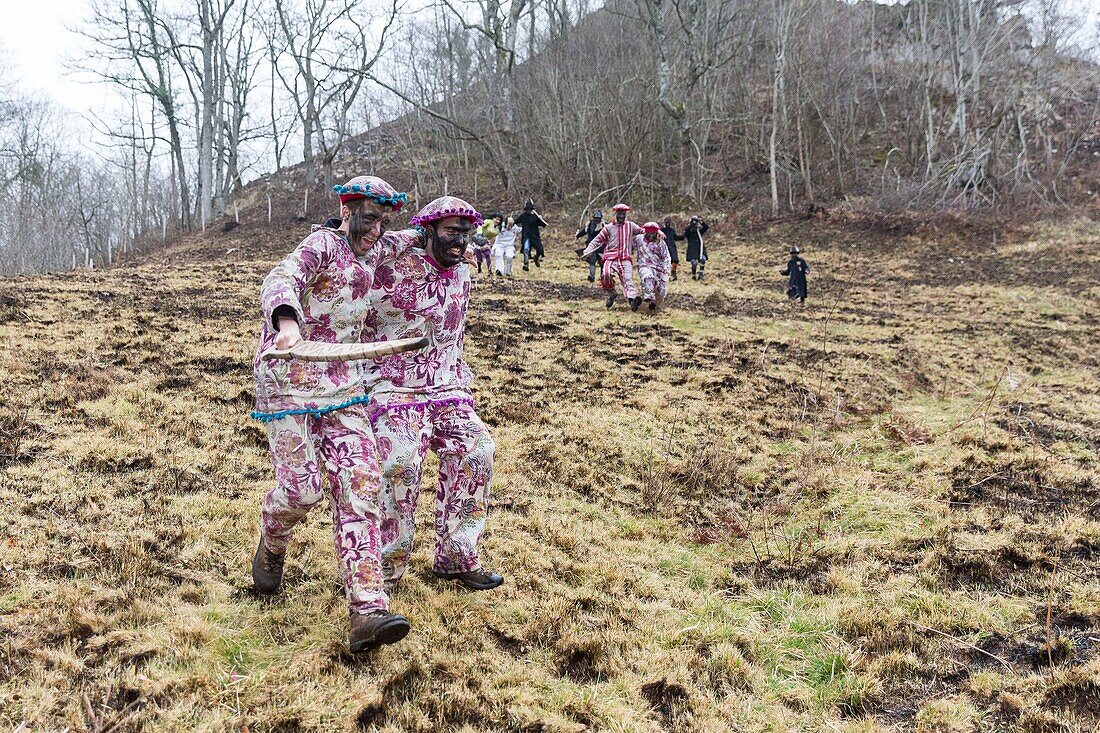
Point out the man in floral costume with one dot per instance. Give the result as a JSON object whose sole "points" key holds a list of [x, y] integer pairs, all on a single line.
{"points": [[654, 264], [422, 400], [316, 412], [617, 241]]}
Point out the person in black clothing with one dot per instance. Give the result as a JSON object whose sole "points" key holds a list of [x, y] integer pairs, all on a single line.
{"points": [[671, 238], [797, 270], [589, 233], [530, 222], [696, 251]]}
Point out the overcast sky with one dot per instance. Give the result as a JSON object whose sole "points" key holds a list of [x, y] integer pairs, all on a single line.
{"points": [[37, 43]]}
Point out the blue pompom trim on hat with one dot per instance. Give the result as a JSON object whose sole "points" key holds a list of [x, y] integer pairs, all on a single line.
{"points": [[397, 200]]}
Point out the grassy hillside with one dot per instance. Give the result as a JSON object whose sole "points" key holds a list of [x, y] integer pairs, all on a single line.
{"points": [[878, 512]]}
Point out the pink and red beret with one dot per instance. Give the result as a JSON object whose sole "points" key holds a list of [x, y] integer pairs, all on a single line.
{"points": [[373, 188], [445, 207]]}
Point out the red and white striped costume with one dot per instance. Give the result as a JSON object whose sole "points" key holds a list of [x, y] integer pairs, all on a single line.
{"points": [[617, 240]]}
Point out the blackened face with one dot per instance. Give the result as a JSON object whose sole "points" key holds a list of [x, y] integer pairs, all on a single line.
{"points": [[620, 216], [366, 225], [668, 222], [651, 236], [448, 239]]}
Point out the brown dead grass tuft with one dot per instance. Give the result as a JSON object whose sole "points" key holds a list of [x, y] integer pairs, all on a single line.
{"points": [[672, 703]]}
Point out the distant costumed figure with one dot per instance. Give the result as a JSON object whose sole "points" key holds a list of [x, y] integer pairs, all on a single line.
{"points": [[483, 245], [696, 248], [797, 269], [617, 239], [531, 239], [654, 264], [589, 232], [671, 238], [504, 247], [422, 400], [316, 415]]}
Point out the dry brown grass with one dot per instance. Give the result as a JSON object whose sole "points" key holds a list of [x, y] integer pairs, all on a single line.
{"points": [[850, 517]]}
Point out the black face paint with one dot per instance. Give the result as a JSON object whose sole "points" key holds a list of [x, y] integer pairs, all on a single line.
{"points": [[620, 216], [361, 227], [449, 246]]}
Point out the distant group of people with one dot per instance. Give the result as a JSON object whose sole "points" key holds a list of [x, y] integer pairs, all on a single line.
{"points": [[693, 234], [615, 247], [495, 241], [617, 252]]}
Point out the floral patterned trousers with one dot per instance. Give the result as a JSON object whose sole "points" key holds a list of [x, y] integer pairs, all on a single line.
{"points": [[624, 271], [340, 445], [405, 429], [654, 284]]}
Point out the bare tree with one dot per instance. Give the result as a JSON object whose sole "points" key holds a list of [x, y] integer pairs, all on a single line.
{"points": [[332, 52], [132, 49]]}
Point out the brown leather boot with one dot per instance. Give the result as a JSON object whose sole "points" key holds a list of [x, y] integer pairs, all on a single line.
{"points": [[375, 628], [476, 579], [267, 569]]}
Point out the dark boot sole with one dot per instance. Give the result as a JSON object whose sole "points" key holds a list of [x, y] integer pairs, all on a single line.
{"points": [[391, 632], [467, 584], [261, 588]]}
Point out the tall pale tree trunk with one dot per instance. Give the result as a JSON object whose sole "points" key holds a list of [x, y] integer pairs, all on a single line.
{"points": [[208, 101]]}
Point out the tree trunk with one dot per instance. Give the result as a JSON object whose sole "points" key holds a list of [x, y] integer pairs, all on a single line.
{"points": [[206, 113], [774, 135]]}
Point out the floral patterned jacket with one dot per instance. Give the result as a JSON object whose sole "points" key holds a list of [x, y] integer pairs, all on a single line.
{"points": [[652, 255], [327, 286], [413, 295]]}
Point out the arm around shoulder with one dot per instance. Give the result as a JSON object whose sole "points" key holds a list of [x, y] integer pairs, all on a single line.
{"points": [[598, 241], [393, 244]]}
